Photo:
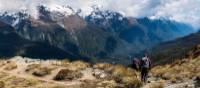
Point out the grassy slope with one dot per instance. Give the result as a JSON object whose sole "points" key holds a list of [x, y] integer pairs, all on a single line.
{"points": [[23, 73], [176, 49]]}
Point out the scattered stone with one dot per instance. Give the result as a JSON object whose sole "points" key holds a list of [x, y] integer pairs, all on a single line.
{"points": [[189, 86], [100, 74]]}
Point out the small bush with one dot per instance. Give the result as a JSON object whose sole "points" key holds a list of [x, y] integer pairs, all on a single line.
{"points": [[126, 76], [197, 79], [65, 62], [89, 84], [17, 82], [103, 66], [122, 71], [173, 80], [159, 71], [132, 82], [107, 84], [66, 74], [2, 84], [42, 71], [2, 63], [32, 67], [156, 85], [79, 65]]}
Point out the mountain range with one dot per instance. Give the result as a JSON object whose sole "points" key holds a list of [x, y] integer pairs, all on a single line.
{"points": [[12, 44], [104, 36]]}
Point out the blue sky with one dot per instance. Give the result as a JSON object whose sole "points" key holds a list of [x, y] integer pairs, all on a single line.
{"points": [[187, 11]]}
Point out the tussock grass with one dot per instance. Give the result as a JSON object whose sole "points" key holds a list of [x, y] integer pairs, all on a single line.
{"points": [[74, 65], [107, 84], [103, 66], [2, 63], [64, 63], [2, 84], [42, 71], [51, 86], [159, 84], [120, 70], [80, 65], [16, 82], [126, 76], [179, 70], [38, 70], [32, 67], [66, 74], [132, 82], [10, 65]]}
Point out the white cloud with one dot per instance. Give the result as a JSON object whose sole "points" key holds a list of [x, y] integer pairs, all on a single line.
{"points": [[187, 11]]}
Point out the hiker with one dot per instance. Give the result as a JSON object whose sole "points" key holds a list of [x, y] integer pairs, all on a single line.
{"points": [[135, 64], [145, 67]]}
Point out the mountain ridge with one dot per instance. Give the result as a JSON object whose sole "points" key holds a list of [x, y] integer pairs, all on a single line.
{"points": [[99, 38], [13, 44], [175, 49]]}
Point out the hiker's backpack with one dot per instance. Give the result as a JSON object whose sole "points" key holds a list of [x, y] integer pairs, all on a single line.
{"points": [[145, 62], [135, 62]]}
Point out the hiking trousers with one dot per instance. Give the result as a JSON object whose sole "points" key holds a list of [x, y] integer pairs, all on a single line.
{"points": [[144, 74]]}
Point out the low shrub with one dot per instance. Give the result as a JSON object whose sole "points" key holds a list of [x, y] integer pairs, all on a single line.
{"points": [[42, 71], [65, 62], [66, 74], [32, 67], [126, 76], [108, 84], [103, 66], [79, 65], [120, 70], [2, 84], [157, 85], [132, 82]]}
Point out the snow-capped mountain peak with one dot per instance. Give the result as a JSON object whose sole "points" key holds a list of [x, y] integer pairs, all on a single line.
{"points": [[65, 10], [98, 13]]}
